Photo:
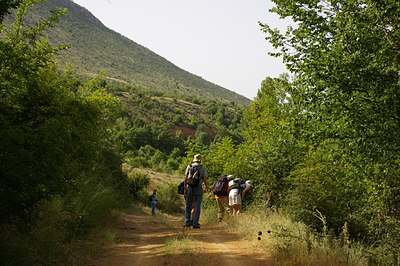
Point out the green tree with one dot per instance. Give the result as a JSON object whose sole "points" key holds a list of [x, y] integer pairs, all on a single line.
{"points": [[345, 56], [202, 136], [6, 5], [52, 130], [346, 60], [32, 120], [271, 149], [220, 156]]}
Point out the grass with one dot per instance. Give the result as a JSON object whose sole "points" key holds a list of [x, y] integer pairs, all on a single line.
{"points": [[179, 244], [209, 209], [293, 243], [286, 241], [47, 243], [182, 244]]}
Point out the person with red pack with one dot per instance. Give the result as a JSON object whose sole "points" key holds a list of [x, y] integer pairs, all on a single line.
{"points": [[220, 189]]}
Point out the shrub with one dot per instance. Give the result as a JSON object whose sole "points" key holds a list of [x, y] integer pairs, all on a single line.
{"points": [[158, 158], [137, 182], [168, 199], [173, 164], [138, 162], [209, 209]]}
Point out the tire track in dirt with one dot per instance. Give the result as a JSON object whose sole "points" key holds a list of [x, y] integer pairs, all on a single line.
{"points": [[142, 241]]}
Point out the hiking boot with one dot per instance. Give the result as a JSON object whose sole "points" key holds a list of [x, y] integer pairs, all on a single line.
{"points": [[196, 226], [187, 225]]}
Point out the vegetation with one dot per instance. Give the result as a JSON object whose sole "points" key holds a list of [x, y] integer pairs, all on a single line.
{"points": [[170, 201], [95, 48], [293, 243], [60, 176], [321, 146], [6, 5]]}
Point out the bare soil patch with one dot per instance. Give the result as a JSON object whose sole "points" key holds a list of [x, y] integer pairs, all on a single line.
{"points": [[144, 240]]}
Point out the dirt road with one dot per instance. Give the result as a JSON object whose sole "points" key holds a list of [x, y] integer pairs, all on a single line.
{"points": [[147, 240]]}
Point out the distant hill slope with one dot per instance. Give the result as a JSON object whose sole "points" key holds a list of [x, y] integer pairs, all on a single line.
{"points": [[95, 48]]}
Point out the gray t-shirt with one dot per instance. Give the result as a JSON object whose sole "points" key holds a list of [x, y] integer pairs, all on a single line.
{"points": [[203, 172]]}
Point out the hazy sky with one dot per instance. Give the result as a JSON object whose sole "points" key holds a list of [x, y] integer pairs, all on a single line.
{"points": [[219, 40]]}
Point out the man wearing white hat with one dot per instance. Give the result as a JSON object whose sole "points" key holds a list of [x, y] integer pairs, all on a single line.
{"points": [[194, 189]]}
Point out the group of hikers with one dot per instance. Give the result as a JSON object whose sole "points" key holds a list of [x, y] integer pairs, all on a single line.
{"points": [[228, 190]]}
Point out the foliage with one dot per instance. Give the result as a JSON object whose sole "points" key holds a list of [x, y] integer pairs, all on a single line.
{"points": [[269, 151], [36, 120], [346, 65], [218, 158], [148, 121], [61, 176], [327, 138], [95, 48], [287, 241], [347, 68], [137, 182], [168, 199], [5, 7], [58, 236]]}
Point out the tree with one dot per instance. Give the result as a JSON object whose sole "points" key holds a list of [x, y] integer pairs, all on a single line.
{"points": [[6, 5], [346, 60], [52, 130], [202, 136], [346, 56], [272, 147]]}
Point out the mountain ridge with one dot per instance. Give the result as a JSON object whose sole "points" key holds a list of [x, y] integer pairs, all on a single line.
{"points": [[94, 48]]}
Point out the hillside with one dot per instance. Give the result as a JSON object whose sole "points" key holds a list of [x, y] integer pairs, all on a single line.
{"points": [[94, 48]]}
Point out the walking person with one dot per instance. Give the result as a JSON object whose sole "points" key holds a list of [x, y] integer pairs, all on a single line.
{"points": [[195, 176], [154, 202], [237, 189], [220, 189]]}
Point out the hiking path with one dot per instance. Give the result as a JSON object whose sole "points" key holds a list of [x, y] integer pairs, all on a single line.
{"points": [[143, 239]]}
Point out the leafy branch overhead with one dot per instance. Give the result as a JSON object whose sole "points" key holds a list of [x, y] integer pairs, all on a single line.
{"points": [[346, 58]]}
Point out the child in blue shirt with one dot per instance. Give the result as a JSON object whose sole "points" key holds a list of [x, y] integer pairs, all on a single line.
{"points": [[154, 202]]}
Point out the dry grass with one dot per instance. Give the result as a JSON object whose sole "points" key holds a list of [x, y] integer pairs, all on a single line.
{"points": [[182, 244], [293, 243]]}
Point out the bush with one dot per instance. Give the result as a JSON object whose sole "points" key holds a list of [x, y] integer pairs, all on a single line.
{"points": [[168, 198], [173, 164], [158, 158], [59, 235], [89, 205], [138, 162], [137, 182], [209, 209]]}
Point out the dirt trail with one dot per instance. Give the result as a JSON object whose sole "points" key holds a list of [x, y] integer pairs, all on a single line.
{"points": [[146, 240]]}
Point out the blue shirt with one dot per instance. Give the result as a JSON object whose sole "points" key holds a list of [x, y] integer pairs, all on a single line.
{"points": [[154, 199]]}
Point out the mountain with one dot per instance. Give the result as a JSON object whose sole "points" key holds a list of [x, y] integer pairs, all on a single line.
{"points": [[94, 48]]}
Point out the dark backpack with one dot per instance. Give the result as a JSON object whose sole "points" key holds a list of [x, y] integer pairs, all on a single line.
{"points": [[151, 197], [181, 188], [236, 183], [220, 188], [194, 176]]}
